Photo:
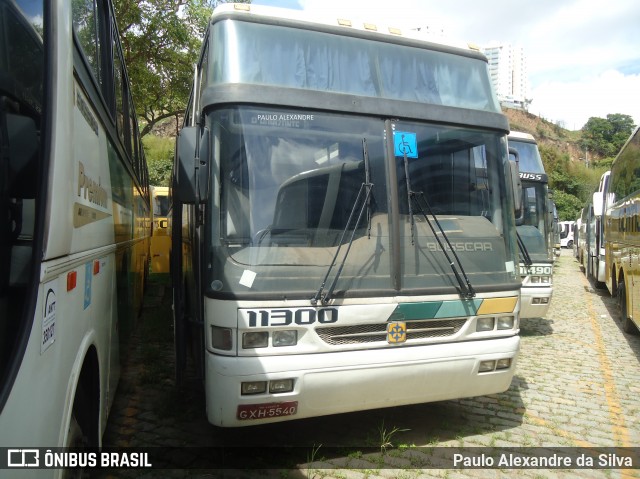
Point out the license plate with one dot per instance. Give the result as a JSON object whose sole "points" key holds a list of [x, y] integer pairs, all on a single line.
{"points": [[265, 411]]}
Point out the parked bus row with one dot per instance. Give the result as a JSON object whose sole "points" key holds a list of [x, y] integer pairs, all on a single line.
{"points": [[348, 232], [609, 233]]}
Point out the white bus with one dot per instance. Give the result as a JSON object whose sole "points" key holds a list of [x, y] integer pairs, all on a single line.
{"points": [[534, 227], [584, 224], [76, 223], [566, 233], [348, 238], [595, 266]]}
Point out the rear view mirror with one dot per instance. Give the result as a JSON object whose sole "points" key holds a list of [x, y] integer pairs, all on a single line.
{"points": [[192, 165], [598, 203], [516, 186]]}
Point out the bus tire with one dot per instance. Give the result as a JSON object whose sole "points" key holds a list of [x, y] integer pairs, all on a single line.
{"points": [[76, 439], [627, 324]]}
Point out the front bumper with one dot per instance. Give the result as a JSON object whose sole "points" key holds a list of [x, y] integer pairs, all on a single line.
{"points": [[332, 383]]}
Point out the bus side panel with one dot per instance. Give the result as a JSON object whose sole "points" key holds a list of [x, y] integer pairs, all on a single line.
{"points": [[76, 300], [57, 346]]}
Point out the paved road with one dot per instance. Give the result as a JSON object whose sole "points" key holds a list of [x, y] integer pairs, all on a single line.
{"points": [[577, 384]]}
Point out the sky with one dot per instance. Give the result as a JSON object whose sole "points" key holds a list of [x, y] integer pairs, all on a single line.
{"points": [[583, 56]]}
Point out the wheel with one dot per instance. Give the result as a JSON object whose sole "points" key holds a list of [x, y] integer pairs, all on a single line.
{"points": [[570, 244], [627, 324], [76, 439]]}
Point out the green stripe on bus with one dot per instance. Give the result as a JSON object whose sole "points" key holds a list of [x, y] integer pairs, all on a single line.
{"points": [[450, 309], [436, 309]]}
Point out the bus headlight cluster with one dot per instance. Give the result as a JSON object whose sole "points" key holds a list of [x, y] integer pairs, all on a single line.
{"points": [[540, 279], [260, 339], [493, 365], [275, 386], [540, 301], [490, 323]]}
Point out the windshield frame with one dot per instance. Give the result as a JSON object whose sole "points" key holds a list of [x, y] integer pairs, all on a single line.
{"points": [[393, 283]]}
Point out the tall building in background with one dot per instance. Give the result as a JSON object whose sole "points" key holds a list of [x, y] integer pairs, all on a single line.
{"points": [[508, 70]]}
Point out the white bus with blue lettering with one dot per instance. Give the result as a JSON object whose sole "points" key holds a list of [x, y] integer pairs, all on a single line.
{"points": [[348, 238], [534, 226], [75, 229]]}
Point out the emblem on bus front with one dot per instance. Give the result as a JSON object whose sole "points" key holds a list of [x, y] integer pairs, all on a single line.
{"points": [[396, 332]]}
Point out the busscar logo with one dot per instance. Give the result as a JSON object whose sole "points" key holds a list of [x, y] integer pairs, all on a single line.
{"points": [[533, 176], [23, 458]]}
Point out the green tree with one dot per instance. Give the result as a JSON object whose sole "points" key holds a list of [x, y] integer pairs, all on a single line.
{"points": [[572, 182], [159, 152], [605, 137], [161, 41], [568, 205]]}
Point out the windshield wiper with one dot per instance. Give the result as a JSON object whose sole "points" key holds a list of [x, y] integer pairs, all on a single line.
{"points": [[526, 258], [365, 189], [465, 290]]}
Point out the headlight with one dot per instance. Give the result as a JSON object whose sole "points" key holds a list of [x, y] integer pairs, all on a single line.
{"points": [[280, 386], [287, 337], [505, 322], [484, 324], [254, 340], [486, 366], [221, 338], [254, 387], [503, 363]]}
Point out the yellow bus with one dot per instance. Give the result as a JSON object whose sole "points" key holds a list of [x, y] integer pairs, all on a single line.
{"points": [[621, 205], [161, 237], [75, 211]]}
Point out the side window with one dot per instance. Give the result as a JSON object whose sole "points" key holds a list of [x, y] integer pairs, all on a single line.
{"points": [[133, 139], [203, 73], [204, 68], [87, 15], [118, 76]]}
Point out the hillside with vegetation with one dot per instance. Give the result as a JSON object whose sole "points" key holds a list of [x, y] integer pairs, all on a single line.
{"points": [[574, 160]]}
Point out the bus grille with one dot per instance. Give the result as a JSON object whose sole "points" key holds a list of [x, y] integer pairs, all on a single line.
{"points": [[377, 333]]}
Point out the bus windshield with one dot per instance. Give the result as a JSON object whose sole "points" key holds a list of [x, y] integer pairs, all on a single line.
{"points": [[160, 204], [289, 182], [532, 221], [532, 224], [529, 157]]}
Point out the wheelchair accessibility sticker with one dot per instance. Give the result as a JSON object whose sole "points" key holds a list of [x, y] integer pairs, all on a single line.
{"points": [[405, 142]]}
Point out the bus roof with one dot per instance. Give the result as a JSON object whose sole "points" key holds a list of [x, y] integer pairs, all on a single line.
{"points": [[332, 21], [518, 135]]}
